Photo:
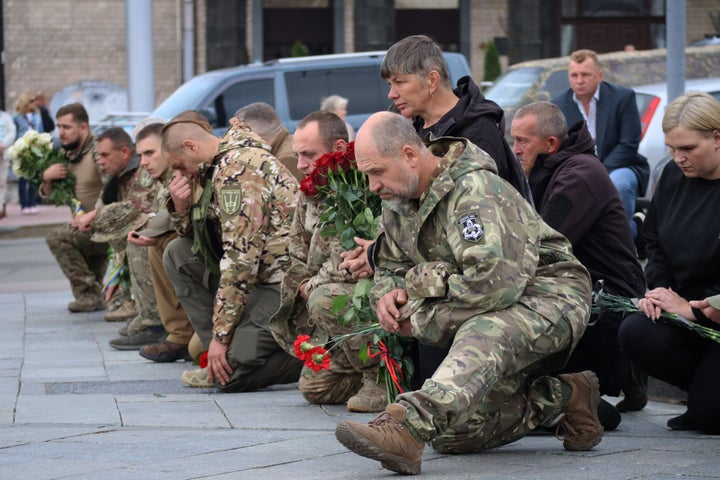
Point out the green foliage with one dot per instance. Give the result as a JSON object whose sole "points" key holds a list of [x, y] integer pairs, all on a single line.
{"points": [[31, 155], [492, 69], [299, 49]]}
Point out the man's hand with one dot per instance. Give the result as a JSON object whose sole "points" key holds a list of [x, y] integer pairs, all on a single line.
{"points": [[180, 192], [55, 171], [141, 240], [356, 261], [218, 367], [709, 311], [389, 314], [84, 222]]}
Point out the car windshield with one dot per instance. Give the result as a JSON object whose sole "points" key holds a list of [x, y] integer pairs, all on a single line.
{"points": [[511, 87], [190, 93]]}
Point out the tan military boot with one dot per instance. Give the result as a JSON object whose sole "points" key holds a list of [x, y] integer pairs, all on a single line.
{"points": [[199, 378], [385, 439], [581, 423], [122, 313], [371, 398], [86, 303]]}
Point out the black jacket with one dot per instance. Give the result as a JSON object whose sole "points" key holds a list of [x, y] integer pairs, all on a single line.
{"points": [[574, 194], [482, 122]]}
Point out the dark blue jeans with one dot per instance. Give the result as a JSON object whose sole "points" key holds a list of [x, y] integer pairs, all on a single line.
{"points": [[27, 194]]}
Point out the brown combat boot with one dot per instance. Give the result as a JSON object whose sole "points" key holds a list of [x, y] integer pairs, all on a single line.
{"points": [[86, 303], [371, 398], [385, 439], [581, 423]]}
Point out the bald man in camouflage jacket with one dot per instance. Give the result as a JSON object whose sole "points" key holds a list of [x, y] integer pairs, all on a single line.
{"points": [[463, 260], [227, 276]]}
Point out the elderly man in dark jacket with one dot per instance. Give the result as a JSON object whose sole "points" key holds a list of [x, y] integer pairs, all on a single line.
{"points": [[574, 194]]}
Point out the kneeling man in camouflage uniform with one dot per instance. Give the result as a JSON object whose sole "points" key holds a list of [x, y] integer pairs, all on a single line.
{"points": [[463, 260], [240, 200]]}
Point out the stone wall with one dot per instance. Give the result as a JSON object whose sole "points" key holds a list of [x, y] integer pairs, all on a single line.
{"points": [[50, 44]]}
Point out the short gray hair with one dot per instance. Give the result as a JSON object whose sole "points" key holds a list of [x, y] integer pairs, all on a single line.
{"points": [[417, 54], [333, 103], [550, 121], [261, 118], [392, 132]]}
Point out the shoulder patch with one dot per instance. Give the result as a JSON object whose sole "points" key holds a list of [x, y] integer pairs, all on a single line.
{"points": [[470, 227], [230, 200]]}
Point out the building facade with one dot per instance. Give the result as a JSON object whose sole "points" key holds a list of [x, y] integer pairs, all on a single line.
{"points": [[51, 44]]}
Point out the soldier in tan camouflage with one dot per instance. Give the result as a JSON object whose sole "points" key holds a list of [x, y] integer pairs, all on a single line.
{"points": [[82, 261], [314, 280], [463, 260], [227, 276]]}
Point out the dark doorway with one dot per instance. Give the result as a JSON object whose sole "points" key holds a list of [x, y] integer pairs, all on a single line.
{"points": [[313, 27]]}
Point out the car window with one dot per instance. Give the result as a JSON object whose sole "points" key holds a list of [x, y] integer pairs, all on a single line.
{"points": [[557, 83], [365, 90], [238, 95], [511, 87]]}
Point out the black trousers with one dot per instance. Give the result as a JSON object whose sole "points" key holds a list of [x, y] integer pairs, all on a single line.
{"points": [[681, 358]]}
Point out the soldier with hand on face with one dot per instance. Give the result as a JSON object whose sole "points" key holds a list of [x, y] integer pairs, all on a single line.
{"points": [[232, 203]]}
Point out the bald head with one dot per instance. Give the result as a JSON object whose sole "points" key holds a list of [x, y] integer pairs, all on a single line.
{"points": [[396, 161]]}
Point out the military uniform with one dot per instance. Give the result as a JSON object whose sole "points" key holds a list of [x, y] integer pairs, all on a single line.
{"points": [[173, 317], [246, 226], [485, 275], [82, 261], [135, 185], [315, 261]]}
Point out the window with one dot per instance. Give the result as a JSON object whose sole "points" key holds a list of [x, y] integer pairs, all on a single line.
{"points": [[240, 94], [365, 90]]}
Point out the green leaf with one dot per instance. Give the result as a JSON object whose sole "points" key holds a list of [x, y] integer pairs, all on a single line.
{"points": [[339, 303]]}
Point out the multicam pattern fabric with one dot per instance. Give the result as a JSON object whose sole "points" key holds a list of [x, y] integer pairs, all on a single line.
{"points": [[255, 237], [501, 286]]}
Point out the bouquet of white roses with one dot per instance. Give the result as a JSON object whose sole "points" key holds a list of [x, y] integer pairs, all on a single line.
{"points": [[31, 155]]}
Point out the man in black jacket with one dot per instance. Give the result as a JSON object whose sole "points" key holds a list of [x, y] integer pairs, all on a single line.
{"points": [[574, 194]]}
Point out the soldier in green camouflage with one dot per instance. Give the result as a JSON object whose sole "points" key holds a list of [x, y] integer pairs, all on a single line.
{"points": [[127, 181], [463, 260], [314, 280], [227, 276], [82, 261]]}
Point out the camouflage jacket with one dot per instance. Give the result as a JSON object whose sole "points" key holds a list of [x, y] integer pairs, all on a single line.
{"points": [[315, 260], [134, 184], [320, 255], [472, 245], [251, 209]]}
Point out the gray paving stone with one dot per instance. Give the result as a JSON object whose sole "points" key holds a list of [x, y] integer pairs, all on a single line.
{"points": [[67, 409]]}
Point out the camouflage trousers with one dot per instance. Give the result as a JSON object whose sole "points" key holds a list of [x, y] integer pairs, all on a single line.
{"points": [[344, 378], [173, 317], [141, 286], [81, 260], [254, 355], [490, 389]]}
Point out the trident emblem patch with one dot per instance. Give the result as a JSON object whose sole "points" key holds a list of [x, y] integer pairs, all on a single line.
{"points": [[472, 230], [230, 200]]}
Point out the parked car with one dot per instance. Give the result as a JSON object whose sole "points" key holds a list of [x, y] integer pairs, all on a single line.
{"points": [[527, 82], [651, 102], [294, 86]]}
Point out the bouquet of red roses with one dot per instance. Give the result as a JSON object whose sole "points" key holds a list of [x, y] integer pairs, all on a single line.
{"points": [[350, 209]]}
